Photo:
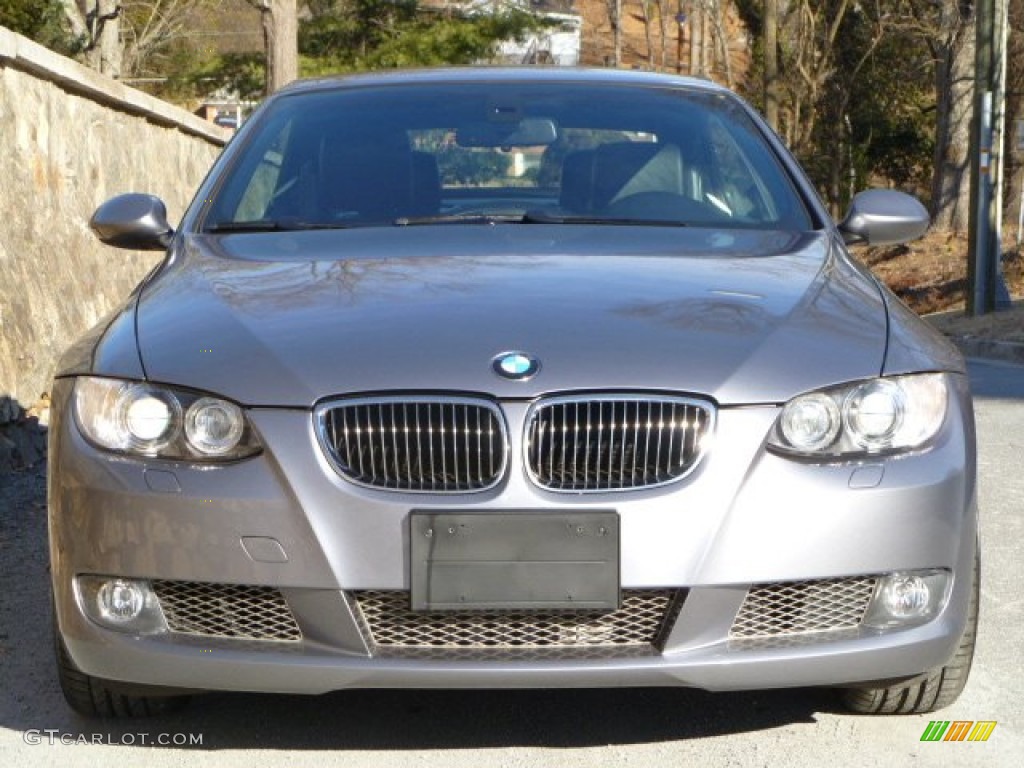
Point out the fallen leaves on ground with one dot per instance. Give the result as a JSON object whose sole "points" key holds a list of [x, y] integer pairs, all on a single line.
{"points": [[930, 275]]}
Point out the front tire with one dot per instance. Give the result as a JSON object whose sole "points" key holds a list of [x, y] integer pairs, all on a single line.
{"points": [[935, 689], [94, 697]]}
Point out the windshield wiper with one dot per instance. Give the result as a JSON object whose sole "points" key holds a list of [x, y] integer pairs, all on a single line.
{"points": [[540, 217], [534, 217], [270, 225], [456, 218]]}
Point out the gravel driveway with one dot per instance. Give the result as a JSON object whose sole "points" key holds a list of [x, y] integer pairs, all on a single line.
{"points": [[639, 727]]}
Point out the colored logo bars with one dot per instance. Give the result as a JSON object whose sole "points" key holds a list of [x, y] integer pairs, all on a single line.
{"points": [[958, 730]]}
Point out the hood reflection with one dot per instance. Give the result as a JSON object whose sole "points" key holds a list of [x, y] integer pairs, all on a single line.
{"points": [[429, 308]]}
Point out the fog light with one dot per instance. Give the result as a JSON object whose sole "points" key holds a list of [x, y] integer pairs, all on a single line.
{"points": [[905, 598], [125, 604], [120, 601]]}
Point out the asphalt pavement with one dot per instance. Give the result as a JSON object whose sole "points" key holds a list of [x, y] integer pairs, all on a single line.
{"points": [[636, 727]]}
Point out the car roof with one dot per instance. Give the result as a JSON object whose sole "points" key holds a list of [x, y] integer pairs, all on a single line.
{"points": [[569, 75]]}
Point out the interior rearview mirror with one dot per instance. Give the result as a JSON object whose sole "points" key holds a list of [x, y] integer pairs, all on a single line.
{"points": [[528, 132]]}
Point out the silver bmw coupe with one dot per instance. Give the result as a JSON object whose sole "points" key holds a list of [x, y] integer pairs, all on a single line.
{"points": [[511, 378]]}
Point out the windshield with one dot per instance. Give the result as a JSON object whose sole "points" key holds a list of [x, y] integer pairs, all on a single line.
{"points": [[410, 155]]}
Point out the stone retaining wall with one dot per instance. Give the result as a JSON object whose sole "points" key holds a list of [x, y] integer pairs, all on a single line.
{"points": [[72, 138]]}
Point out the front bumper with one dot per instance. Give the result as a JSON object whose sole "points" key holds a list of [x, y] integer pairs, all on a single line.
{"points": [[745, 517]]}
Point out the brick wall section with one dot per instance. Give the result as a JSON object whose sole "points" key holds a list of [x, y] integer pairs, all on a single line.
{"points": [[71, 139]]}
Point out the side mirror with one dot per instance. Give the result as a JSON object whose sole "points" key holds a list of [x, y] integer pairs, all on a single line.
{"points": [[134, 221], [884, 217]]}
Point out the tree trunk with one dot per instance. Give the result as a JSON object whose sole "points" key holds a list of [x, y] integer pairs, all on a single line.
{"points": [[680, 35], [696, 41], [645, 8], [614, 8], [705, 33], [281, 38], [663, 30], [954, 89], [722, 38], [75, 18], [771, 63], [618, 33], [108, 37], [1012, 156], [97, 24]]}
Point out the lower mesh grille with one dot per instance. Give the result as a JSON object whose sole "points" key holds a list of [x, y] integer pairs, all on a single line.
{"points": [[803, 607], [226, 610], [643, 619]]}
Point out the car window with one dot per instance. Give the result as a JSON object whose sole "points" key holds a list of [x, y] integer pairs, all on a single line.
{"points": [[548, 152]]}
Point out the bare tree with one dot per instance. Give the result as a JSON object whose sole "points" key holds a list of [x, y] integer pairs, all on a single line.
{"points": [[281, 38], [717, 18], [946, 28], [807, 31], [657, 55], [663, 29], [615, 20], [771, 62], [151, 27], [953, 49], [697, 37], [645, 11], [1014, 167], [96, 23], [126, 38], [874, 21]]}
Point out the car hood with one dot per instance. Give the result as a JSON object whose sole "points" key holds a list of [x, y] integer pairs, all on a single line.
{"points": [[290, 318]]}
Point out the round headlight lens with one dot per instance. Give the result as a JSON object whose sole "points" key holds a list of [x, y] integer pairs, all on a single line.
{"points": [[214, 426], [148, 419], [810, 422], [874, 413]]}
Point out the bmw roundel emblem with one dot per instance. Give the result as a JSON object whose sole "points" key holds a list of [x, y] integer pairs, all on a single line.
{"points": [[515, 365]]}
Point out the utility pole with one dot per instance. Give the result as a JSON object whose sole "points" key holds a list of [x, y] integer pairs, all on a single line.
{"points": [[1001, 37], [984, 276]]}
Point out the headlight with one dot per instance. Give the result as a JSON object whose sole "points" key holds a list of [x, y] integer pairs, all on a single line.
{"points": [[148, 420], [811, 422], [881, 415], [214, 426]]}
